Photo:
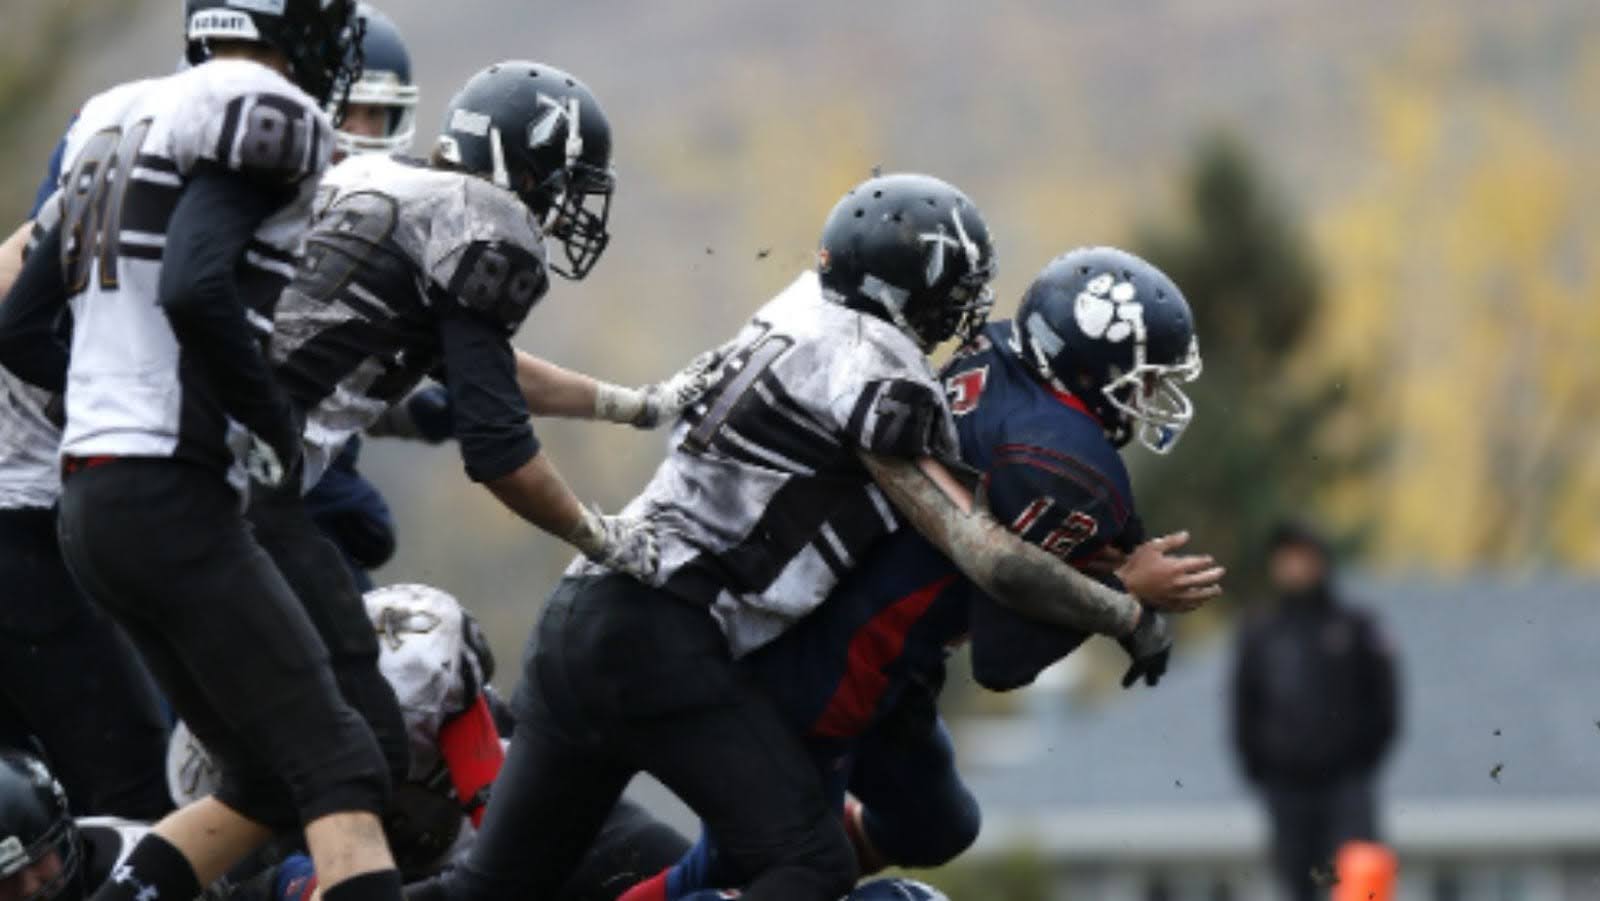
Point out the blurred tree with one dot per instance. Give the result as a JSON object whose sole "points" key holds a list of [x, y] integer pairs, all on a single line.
{"points": [[38, 34], [1257, 449]]}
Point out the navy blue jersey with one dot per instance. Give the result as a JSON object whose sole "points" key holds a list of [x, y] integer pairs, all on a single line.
{"points": [[1049, 473]]}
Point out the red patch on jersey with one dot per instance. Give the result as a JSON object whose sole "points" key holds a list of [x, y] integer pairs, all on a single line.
{"points": [[965, 388], [877, 643]]}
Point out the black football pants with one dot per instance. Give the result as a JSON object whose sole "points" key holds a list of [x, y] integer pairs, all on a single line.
{"points": [[317, 571], [620, 678], [1310, 823], [161, 544], [69, 677]]}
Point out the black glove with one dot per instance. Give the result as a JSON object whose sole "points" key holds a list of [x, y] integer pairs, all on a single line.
{"points": [[275, 464], [1150, 647]]}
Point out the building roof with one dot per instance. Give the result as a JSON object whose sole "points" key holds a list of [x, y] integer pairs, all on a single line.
{"points": [[1500, 681]]}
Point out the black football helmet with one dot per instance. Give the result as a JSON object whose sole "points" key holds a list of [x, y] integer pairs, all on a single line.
{"points": [[36, 825], [320, 38], [385, 81], [913, 250], [1116, 333], [541, 133]]}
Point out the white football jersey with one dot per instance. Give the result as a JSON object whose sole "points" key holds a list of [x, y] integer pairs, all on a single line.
{"points": [[128, 156], [30, 473], [428, 650], [30, 430], [391, 241], [762, 504]]}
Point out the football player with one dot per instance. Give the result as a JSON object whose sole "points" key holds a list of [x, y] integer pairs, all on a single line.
{"points": [[381, 114], [414, 269], [380, 117], [184, 200], [1042, 405], [68, 677], [45, 853], [438, 660], [826, 416]]}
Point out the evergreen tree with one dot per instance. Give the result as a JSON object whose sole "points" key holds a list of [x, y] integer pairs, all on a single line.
{"points": [[1258, 448]]}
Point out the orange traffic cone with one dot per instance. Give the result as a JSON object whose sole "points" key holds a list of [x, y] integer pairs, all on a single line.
{"points": [[1366, 872]]}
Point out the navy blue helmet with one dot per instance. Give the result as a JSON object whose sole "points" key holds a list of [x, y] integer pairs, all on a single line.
{"points": [[1116, 333], [913, 250], [541, 133], [39, 843], [896, 890], [321, 39], [385, 81]]}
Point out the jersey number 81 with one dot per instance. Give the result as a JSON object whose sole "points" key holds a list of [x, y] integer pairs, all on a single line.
{"points": [[91, 201]]}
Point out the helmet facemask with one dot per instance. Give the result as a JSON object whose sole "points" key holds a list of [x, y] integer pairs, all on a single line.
{"points": [[1151, 398], [573, 202], [579, 219], [61, 840], [962, 309]]}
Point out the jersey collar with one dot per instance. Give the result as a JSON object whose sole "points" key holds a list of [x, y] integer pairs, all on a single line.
{"points": [[1072, 400]]}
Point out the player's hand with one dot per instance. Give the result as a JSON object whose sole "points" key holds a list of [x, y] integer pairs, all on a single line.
{"points": [[1172, 582], [624, 543], [663, 401], [1149, 648]]}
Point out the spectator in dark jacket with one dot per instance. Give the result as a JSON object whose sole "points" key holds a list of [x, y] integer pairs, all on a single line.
{"points": [[1314, 711]]}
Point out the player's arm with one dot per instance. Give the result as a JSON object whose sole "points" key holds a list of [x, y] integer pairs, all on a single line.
{"points": [[31, 345], [500, 450], [216, 216], [1003, 566], [553, 390], [1024, 577]]}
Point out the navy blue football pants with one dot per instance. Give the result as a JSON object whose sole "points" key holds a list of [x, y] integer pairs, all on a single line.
{"points": [[916, 810]]}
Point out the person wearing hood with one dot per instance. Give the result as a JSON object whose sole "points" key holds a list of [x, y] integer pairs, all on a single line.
{"points": [[1314, 710]]}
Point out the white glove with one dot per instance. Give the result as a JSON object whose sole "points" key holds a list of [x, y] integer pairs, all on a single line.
{"points": [[652, 405], [262, 464], [623, 543]]}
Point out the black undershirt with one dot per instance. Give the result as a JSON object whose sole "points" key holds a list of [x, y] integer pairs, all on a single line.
{"points": [[480, 372]]}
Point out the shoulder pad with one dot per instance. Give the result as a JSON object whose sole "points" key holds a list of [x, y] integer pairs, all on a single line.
{"points": [[487, 253], [254, 121], [499, 280]]}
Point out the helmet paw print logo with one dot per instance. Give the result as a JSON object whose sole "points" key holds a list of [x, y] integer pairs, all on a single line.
{"points": [[1105, 309]]}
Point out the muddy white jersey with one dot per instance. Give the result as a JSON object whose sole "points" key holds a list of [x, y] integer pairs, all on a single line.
{"points": [[762, 503], [393, 243], [30, 428], [30, 473], [128, 158]]}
